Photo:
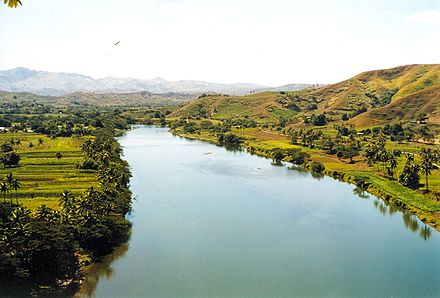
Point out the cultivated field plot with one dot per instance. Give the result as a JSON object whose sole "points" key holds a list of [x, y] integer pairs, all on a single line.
{"points": [[43, 173]]}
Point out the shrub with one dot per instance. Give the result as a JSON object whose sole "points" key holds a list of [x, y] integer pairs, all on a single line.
{"points": [[229, 139], [319, 120], [297, 156], [10, 159], [317, 167], [278, 154]]}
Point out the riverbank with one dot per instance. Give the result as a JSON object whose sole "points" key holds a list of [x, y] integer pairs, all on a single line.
{"points": [[46, 249], [390, 191]]}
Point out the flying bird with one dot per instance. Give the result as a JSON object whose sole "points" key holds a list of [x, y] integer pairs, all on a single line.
{"points": [[117, 43]]}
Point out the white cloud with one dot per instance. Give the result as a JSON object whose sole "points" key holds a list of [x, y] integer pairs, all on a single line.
{"points": [[427, 16]]}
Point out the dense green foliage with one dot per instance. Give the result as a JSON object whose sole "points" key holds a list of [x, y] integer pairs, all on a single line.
{"points": [[229, 139], [410, 174], [44, 247]]}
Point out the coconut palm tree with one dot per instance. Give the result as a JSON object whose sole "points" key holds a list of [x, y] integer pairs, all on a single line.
{"points": [[16, 185], [67, 202], [4, 161], [9, 180], [20, 218], [427, 164], [4, 189]]}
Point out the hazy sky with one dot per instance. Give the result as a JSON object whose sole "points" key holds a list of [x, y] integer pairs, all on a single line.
{"points": [[270, 42]]}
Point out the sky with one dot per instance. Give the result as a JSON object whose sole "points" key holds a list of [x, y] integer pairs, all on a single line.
{"points": [[271, 42]]}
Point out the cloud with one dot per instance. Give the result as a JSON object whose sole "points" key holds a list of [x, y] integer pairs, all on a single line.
{"points": [[427, 16]]}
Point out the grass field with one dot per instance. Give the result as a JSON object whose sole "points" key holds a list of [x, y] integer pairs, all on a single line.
{"points": [[42, 175]]}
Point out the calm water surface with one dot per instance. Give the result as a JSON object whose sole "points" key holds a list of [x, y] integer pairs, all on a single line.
{"points": [[208, 222]]}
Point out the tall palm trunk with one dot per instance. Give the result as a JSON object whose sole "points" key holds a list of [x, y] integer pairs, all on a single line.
{"points": [[426, 177]]}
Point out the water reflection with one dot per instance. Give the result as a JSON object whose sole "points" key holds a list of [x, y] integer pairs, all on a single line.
{"points": [[361, 193], [425, 232], [96, 271], [233, 148], [317, 176], [410, 221]]}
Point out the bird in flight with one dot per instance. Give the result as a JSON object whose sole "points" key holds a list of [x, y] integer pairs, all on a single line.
{"points": [[117, 43]]}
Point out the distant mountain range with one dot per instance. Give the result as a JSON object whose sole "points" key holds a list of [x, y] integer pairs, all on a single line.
{"points": [[57, 84]]}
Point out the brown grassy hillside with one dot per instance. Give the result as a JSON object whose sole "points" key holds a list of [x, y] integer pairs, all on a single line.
{"points": [[374, 97]]}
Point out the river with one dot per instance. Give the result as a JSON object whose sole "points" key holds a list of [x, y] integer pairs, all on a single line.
{"points": [[208, 222]]}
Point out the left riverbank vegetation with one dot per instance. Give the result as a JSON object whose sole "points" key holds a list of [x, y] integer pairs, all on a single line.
{"points": [[64, 195]]}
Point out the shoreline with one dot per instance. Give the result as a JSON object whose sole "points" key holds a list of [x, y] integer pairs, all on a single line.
{"points": [[426, 217]]}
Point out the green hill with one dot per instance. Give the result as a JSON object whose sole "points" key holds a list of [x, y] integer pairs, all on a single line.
{"points": [[374, 97], [98, 99]]}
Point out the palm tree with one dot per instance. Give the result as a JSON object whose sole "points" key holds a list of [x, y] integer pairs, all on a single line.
{"points": [[393, 165], [427, 164], [67, 201], [4, 161], [4, 189], [9, 180], [43, 212], [16, 185], [20, 219]]}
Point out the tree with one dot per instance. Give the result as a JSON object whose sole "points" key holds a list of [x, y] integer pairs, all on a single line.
{"points": [[67, 201], [12, 3], [10, 159], [351, 150], [391, 169], [317, 167], [4, 190], [427, 163], [43, 212], [16, 185], [297, 156], [278, 155], [319, 120], [7, 147], [229, 139], [409, 176], [58, 155], [9, 179], [294, 138], [40, 141]]}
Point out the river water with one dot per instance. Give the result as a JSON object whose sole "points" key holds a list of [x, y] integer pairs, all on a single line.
{"points": [[209, 222]]}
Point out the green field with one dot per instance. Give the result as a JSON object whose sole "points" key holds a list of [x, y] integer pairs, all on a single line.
{"points": [[42, 175]]}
